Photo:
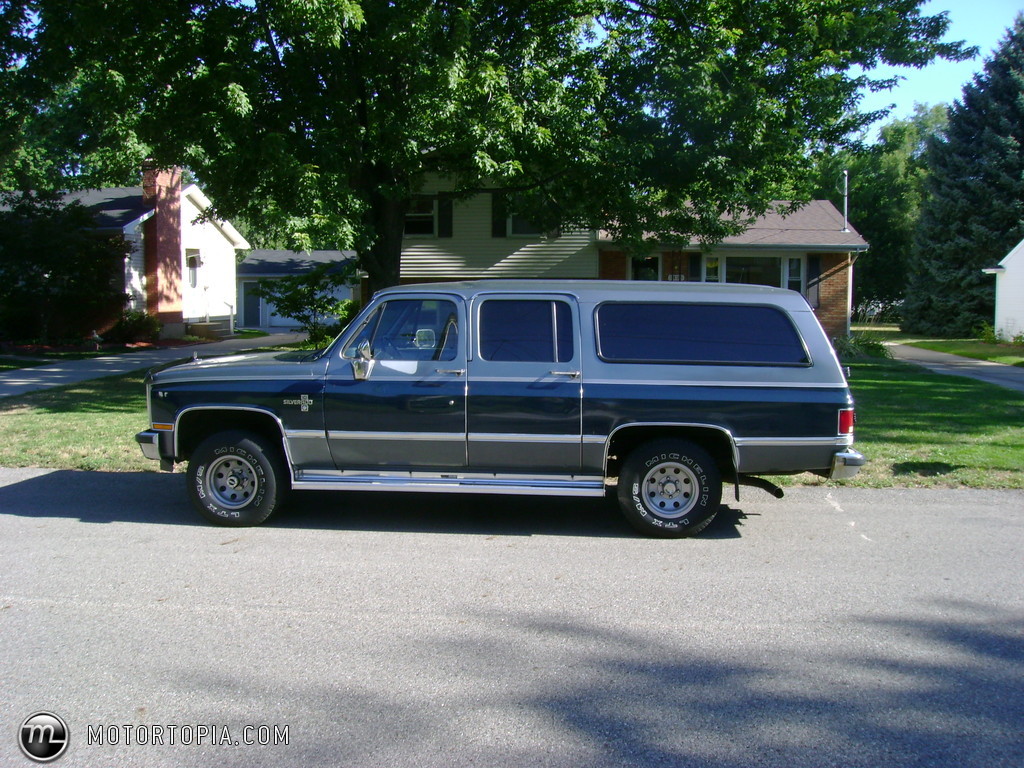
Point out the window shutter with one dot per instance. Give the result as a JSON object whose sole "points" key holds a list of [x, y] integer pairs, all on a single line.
{"points": [[813, 281], [693, 274], [499, 215], [444, 215]]}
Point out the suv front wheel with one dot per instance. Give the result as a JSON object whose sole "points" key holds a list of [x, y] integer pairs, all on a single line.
{"points": [[236, 478], [669, 488]]}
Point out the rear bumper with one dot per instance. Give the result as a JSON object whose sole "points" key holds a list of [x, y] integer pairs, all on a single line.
{"points": [[846, 464]]}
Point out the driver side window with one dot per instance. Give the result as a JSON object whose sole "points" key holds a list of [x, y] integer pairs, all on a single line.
{"points": [[410, 329]]}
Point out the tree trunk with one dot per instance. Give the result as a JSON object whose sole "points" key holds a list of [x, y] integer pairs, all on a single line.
{"points": [[382, 260]]}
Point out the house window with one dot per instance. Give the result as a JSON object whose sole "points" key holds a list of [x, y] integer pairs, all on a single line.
{"points": [[429, 216], [795, 274], [646, 267], [506, 223], [193, 261], [421, 218], [711, 269], [754, 270]]}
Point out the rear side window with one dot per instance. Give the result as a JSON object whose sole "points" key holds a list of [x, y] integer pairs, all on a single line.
{"points": [[526, 331], [726, 334]]}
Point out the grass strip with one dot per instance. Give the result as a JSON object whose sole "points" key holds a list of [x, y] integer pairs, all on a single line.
{"points": [[917, 428]]}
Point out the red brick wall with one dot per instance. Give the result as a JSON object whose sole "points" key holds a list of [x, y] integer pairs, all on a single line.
{"points": [[833, 293], [612, 265], [162, 243]]}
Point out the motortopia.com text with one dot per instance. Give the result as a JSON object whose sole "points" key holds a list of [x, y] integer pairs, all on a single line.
{"points": [[189, 735]]}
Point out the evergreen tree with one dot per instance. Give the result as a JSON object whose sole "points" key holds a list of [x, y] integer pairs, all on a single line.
{"points": [[973, 212]]}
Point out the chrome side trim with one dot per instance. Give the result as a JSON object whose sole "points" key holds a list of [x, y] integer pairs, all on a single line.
{"points": [[335, 434], [517, 485], [303, 434], [520, 437], [716, 383], [480, 437], [794, 442]]}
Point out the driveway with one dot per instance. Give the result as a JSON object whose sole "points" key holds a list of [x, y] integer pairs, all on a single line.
{"points": [[844, 627], [23, 380], [1009, 376]]}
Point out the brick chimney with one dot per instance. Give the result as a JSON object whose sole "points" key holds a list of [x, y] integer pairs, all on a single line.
{"points": [[161, 189]]}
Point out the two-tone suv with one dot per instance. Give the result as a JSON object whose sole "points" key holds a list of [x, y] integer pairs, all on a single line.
{"points": [[656, 392]]}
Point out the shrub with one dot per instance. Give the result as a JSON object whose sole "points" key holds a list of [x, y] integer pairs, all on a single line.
{"points": [[860, 346], [134, 325]]}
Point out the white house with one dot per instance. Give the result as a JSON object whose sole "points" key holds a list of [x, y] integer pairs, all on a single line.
{"points": [[182, 265], [1009, 321]]}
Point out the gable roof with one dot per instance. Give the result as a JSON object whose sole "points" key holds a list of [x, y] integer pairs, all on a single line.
{"points": [[113, 207], [815, 226], [285, 263], [118, 208]]}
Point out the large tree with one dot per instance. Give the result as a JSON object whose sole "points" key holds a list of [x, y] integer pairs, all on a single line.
{"points": [[320, 120], [973, 213], [886, 185]]}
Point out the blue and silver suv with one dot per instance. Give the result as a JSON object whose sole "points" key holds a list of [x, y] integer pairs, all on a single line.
{"points": [[654, 392]]}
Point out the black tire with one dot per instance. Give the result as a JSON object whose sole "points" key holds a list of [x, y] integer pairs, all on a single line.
{"points": [[236, 478], [669, 488]]}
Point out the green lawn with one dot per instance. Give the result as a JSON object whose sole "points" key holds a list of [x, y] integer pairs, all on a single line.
{"points": [[919, 428], [91, 425], [916, 428]]}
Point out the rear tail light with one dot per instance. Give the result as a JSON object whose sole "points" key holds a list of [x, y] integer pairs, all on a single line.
{"points": [[846, 421]]}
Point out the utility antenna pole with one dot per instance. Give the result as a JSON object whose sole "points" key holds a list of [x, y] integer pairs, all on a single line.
{"points": [[846, 200]]}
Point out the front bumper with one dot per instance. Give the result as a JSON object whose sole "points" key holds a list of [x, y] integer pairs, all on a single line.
{"points": [[149, 441], [846, 464]]}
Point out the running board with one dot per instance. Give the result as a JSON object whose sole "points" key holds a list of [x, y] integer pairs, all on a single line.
{"points": [[516, 485]]}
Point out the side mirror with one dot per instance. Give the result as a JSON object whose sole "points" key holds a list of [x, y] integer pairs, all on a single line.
{"points": [[362, 366], [425, 339]]}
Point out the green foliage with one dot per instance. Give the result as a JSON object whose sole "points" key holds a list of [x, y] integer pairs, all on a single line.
{"points": [[859, 346], [58, 278], [310, 299], [317, 122], [134, 325], [886, 185], [974, 210]]}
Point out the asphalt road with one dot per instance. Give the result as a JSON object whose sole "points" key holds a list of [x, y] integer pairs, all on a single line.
{"points": [[833, 628]]}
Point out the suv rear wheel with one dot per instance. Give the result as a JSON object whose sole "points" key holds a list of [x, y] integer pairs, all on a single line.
{"points": [[669, 488], [236, 478]]}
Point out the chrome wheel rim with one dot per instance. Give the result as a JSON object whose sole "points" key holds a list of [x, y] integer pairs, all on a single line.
{"points": [[232, 481], [670, 489]]}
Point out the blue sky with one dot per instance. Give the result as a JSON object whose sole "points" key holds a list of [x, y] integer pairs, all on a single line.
{"points": [[979, 22]]}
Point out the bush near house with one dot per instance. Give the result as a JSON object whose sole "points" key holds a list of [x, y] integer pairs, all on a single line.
{"points": [[309, 299], [58, 278]]}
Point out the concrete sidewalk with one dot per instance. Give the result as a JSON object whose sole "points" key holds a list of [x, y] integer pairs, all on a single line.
{"points": [[23, 380], [1009, 376]]}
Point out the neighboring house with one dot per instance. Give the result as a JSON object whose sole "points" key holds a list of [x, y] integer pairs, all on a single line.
{"points": [[182, 266], [1010, 293], [809, 251], [254, 312]]}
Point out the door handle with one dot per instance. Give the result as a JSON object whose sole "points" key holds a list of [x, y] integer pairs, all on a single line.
{"points": [[570, 374], [452, 371]]}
